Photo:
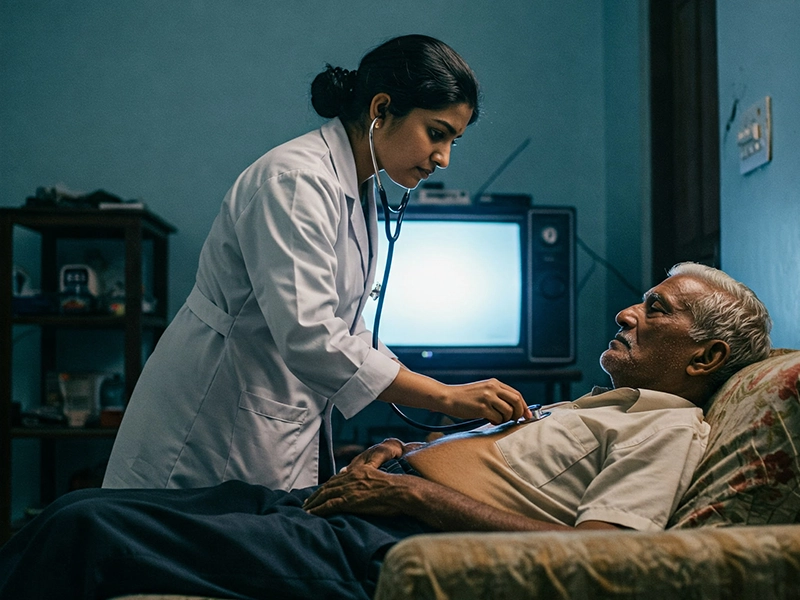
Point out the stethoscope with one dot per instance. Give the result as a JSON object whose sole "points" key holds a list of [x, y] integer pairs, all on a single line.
{"points": [[391, 237]]}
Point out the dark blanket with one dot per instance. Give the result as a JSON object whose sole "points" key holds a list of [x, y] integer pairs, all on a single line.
{"points": [[234, 540]]}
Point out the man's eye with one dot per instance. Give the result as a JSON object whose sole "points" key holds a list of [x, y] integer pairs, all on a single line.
{"points": [[454, 143], [435, 134]]}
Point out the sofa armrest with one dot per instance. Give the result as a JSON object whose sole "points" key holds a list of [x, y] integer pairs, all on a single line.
{"points": [[743, 562]]}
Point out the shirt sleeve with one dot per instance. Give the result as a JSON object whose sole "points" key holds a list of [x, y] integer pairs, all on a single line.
{"points": [[288, 237], [643, 480]]}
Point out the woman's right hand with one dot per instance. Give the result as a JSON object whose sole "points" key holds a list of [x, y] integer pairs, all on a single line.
{"points": [[490, 399]]}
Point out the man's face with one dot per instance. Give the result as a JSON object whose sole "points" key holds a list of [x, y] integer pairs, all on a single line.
{"points": [[652, 348]]}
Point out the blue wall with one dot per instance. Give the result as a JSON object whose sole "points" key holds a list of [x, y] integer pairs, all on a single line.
{"points": [[169, 101], [759, 55]]}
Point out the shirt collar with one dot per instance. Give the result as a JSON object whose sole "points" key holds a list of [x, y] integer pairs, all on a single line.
{"points": [[635, 399]]}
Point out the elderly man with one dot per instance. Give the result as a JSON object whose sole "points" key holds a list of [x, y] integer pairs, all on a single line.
{"points": [[618, 458]]}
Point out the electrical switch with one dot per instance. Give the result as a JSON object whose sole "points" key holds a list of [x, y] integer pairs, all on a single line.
{"points": [[755, 136]]}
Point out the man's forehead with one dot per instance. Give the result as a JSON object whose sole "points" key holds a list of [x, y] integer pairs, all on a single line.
{"points": [[679, 290]]}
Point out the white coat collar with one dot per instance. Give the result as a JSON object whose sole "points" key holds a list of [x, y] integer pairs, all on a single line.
{"points": [[344, 163]]}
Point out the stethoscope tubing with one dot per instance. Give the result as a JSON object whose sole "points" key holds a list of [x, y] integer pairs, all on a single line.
{"points": [[391, 236]]}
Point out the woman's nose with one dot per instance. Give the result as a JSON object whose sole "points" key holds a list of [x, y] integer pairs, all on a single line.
{"points": [[441, 158]]}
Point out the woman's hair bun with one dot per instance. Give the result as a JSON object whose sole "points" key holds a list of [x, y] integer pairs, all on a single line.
{"points": [[332, 91]]}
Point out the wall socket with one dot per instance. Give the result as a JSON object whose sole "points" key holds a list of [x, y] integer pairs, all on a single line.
{"points": [[755, 136]]}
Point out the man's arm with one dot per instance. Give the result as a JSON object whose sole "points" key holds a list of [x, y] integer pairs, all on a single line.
{"points": [[363, 489]]}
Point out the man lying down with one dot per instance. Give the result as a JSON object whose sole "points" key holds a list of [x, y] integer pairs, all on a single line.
{"points": [[612, 459]]}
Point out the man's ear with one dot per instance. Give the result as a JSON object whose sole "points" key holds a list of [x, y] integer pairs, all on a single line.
{"points": [[709, 358]]}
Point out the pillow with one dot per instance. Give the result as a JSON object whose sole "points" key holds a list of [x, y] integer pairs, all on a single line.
{"points": [[750, 472]]}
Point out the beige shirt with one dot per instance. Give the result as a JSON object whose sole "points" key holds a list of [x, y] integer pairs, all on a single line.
{"points": [[623, 456]]}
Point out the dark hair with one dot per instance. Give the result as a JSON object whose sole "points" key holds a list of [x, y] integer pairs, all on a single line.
{"points": [[416, 71]]}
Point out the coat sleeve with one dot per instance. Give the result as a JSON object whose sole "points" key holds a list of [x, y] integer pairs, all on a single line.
{"points": [[366, 335], [289, 238]]}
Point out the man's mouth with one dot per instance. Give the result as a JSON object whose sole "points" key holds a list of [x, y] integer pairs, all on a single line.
{"points": [[424, 172], [619, 337]]}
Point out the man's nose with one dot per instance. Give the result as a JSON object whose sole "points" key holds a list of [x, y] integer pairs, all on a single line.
{"points": [[626, 317]]}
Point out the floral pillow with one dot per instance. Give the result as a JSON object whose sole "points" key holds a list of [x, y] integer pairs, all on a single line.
{"points": [[750, 473]]}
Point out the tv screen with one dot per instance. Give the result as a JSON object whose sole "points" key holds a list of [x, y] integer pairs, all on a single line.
{"points": [[453, 283], [466, 284]]}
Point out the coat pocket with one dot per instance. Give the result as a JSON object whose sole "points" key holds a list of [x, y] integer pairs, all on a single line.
{"points": [[272, 409], [264, 445], [543, 450]]}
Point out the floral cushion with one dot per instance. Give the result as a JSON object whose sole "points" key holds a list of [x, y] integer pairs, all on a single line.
{"points": [[750, 473]]}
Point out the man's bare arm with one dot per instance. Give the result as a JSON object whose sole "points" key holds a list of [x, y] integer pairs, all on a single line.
{"points": [[363, 489]]}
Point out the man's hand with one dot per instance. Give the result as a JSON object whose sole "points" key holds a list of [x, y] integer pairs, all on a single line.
{"points": [[378, 454], [360, 488]]}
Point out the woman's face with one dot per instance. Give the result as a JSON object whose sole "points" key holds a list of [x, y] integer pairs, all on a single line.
{"points": [[410, 148]]}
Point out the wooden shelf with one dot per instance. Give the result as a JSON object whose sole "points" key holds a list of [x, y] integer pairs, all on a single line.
{"points": [[63, 432], [87, 321], [133, 227]]}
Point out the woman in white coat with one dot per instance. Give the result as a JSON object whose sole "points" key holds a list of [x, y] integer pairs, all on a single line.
{"points": [[271, 337]]}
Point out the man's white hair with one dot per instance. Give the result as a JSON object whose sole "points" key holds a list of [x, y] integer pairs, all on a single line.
{"points": [[731, 313]]}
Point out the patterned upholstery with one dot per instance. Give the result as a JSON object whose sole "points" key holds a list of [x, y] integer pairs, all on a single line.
{"points": [[751, 469], [758, 563]]}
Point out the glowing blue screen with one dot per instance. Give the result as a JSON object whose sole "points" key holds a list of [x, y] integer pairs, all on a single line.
{"points": [[452, 284]]}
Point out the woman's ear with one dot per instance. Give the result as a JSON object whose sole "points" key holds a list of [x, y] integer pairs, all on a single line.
{"points": [[709, 358], [379, 106]]}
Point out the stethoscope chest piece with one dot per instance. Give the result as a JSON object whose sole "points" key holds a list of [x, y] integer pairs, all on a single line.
{"points": [[537, 412]]}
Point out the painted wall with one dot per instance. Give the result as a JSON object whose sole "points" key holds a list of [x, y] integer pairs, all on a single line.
{"points": [[761, 210], [168, 102], [627, 154]]}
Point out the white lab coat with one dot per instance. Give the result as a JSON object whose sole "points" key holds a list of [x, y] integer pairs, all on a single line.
{"points": [[270, 338]]}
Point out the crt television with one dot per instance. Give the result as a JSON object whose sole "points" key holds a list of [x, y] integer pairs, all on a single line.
{"points": [[479, 287]]}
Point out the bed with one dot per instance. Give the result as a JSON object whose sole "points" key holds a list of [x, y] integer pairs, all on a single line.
{"points": [[733, 535]]}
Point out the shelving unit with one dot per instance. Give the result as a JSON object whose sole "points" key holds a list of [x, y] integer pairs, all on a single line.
{"points": [[133, 227]]}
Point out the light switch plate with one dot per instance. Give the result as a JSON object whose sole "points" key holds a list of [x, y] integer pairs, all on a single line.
{"points": [[755, 136]]}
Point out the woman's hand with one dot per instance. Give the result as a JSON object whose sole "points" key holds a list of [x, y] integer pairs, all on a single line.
{"points": [[490, 399]]}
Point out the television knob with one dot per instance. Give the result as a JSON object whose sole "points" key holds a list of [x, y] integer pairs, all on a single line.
{"points": [[549, 235]]}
